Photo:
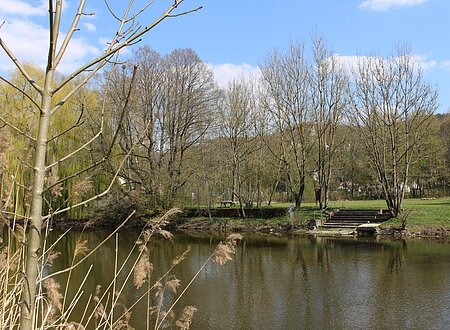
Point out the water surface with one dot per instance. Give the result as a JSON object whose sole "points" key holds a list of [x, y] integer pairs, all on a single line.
{"points": [[286, 283]]}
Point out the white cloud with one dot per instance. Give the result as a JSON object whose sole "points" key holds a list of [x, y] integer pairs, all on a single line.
{"points": [[29, 48], [225, 73], [90, 27], [22, 8], [445, 65], [28, 41], [78, 52], [350, 63], [104, 42], [381, 5], [424, 63]]}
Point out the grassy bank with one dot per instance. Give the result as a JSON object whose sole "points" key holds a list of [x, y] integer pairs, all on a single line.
{"points": [[420, 214]]}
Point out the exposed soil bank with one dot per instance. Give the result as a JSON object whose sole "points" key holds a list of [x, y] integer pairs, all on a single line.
{"points": [[268, 226], [417, 232], [202, 224]]}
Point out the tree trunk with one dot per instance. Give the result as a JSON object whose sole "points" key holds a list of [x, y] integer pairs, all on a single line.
{"points": [[33, 242], [297, 199]]}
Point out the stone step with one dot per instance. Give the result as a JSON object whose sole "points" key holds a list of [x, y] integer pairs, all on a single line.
{"points": [[362, 212], [340, 225], [373, 219], [350, 221], [340, 215], [355, 218]]}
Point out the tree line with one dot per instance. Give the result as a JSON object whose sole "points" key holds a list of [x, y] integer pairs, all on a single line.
{"points": [[309, 128]]}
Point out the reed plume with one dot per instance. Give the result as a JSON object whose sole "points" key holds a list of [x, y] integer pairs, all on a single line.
{"points": [[185, 319]]}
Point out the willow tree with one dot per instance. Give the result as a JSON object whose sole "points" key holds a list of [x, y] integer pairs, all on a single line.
{"points": [[64, 132], [391, 107], [49, 100]]}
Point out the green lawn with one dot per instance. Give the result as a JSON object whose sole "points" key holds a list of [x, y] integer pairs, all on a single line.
{"points": [[420, 213]]}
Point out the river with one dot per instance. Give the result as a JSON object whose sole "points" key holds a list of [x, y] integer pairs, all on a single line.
{"points": [[280, 282]]}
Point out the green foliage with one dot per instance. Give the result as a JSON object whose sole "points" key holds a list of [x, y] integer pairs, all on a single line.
{"points": [[69, 130]]}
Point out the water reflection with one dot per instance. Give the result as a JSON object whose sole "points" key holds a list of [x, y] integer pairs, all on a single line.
{"points": [[284, 283]]}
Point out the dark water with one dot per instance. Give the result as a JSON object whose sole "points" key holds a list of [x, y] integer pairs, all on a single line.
{"points": [[283, 283]]}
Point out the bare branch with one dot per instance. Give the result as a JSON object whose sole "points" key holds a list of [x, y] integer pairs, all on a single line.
{"points": [[122, 115], [76, 88], [74, 175], [69, 35], [78, 123], [100, 132], [21, 91], [96, 136], [73, 153], [54, 24], [17, 215], [13, 177], [25, 163], [20, 67], [103, 193], [114, 49], [133, 16], [113, 180], [111, 11], [18, 130], [186, 12]]}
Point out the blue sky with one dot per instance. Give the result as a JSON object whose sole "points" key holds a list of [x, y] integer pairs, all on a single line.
{"points": [[234, 36]]}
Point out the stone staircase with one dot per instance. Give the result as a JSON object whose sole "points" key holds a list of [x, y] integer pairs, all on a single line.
{"points": [[355, 218]]}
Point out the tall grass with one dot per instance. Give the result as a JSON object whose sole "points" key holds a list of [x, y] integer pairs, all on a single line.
{"points": [[55, 307]]}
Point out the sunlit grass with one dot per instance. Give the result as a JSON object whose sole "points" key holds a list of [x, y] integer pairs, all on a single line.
{"points": [[433, 212], [420, 213]]}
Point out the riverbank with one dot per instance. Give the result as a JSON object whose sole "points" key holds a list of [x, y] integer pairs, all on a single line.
{"points": [[283, 227], [424, 218]]}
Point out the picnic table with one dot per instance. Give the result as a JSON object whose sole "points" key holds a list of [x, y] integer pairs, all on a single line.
{"points": [[227, 203]]}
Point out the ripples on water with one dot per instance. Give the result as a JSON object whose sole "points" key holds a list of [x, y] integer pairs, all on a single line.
{"points": [[284, 283]]}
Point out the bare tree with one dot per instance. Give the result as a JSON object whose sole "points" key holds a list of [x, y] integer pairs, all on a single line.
{"points": [[391, 107], [144, 112], [236, 108], [174, 98], [190, 96], [286, 86], [329, 89], [49, 101]]}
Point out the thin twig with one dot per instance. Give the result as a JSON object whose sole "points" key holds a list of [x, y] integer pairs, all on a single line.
{"points": [[73, 153], [186, 12], [21, 91]]}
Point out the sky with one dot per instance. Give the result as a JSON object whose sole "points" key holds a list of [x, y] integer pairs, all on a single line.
{"points": [[234, 36]]}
